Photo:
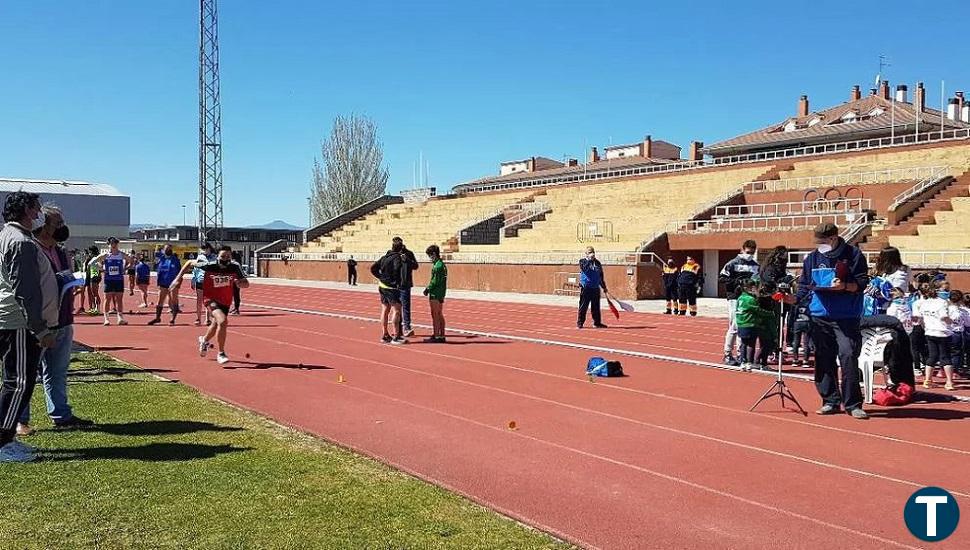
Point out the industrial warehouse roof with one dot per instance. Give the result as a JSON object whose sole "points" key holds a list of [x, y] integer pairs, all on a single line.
{"points": [[58, 187]]}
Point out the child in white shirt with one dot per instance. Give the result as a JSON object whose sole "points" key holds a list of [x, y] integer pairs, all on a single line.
{"points": [[939, 316]]}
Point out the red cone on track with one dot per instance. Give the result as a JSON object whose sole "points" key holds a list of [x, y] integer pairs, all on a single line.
{"points": [[512, 425]]}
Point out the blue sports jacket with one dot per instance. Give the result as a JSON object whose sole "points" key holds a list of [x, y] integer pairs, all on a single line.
{"points": [[850, 266]]}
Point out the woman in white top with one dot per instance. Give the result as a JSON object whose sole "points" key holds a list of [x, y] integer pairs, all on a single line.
{"points": [[939, 317]]}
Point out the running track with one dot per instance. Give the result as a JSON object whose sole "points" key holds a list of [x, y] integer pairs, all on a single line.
{"points": [[667, 457]]}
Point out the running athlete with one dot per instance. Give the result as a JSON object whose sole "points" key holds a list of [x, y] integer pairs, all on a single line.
{"points": [[168, 271], [80, 263], [206, 256], [113, 264], [143, 275], [220, 278], [93, 273]]}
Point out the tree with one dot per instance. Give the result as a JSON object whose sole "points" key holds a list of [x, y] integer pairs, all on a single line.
{"points": [[349, 171]]}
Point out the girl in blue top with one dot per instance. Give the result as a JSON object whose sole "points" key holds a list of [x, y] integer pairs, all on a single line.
{"points": [[207, 255], [143, 275], [168, 269], [113, 265]]}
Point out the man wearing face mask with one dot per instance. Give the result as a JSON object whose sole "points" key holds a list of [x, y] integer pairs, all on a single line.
{"points": [[591, 280], [55, 359], [744, 266], [835, 308], [28, 314]]}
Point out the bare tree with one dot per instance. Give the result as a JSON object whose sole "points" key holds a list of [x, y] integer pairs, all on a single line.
{"points": [[349, 171]]}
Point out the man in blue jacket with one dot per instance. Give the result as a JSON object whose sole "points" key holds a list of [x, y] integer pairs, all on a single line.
{"points": [[591, 280], [836, 312]]}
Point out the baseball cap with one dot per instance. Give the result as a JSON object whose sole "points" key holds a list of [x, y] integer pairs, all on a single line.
{"points": [[825, 230]]}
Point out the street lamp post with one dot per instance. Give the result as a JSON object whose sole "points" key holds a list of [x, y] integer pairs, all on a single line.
{"points": [[183, 214], [309, 206]]}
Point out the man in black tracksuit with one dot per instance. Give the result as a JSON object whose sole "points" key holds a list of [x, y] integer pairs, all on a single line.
{"points": [[352, 271], [387, 271], [742, 267], [409, 263], [836, 314]]}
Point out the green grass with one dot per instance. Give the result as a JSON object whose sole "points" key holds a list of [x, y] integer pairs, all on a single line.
{"points": [[169, 468]]}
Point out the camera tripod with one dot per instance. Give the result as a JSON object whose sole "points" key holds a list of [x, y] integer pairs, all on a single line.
{"points": [[779, 388]]}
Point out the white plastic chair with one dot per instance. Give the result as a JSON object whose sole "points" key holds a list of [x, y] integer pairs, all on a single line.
{"points": [[872, 358]]}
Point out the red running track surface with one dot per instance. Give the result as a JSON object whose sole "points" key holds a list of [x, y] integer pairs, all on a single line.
{"points": [[668, 457]]}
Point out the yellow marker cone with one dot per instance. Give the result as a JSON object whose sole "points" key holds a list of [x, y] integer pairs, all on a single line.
{"points": [[340, 379], [512, 425]]}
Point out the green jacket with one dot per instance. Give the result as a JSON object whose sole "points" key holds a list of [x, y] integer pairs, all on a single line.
{"points": [[438, 284], [750, 314]]}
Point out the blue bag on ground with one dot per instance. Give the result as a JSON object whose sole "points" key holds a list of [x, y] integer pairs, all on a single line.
{"points": [[597, 366]]}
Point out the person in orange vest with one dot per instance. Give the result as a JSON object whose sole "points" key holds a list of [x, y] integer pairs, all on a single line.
{"points": [[687, 280], [670, 285]]}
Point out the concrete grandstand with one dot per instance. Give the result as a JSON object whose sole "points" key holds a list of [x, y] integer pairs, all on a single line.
{"points": [[886, 168]]}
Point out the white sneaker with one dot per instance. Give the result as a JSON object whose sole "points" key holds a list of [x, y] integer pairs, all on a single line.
{"points": [[11, 452], [122, 322], [107, 323], [408, 333], [745, 367], [222, 358], [203, 346]]}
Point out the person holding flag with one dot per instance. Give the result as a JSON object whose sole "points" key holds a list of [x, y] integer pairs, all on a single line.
{"points": [[217, 289], [591, 280]]}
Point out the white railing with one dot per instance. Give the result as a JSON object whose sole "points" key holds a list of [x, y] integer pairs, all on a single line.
{"points": [[856, 223], [545, 258], [820, 206], [921, 186], [495, 212], [534, 210], [420, 194], [840, 180], [707, 206], [582, 175], [929, 259], [766, 223]]}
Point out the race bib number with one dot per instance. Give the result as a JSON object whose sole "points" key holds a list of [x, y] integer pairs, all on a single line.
{"points": [[114, 270], [221, 281]]}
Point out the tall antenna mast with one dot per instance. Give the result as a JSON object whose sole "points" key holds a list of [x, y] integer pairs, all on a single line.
{"points": [[210, 124]]}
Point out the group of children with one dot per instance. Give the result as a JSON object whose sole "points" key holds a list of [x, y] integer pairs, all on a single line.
{"points": [[936, 319]]}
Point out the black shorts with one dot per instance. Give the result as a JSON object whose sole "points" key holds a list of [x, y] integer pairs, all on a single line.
{"points": [[94, 281], [216, 305], [130, 271], [390, 296], [142, 281], [114, 286]]}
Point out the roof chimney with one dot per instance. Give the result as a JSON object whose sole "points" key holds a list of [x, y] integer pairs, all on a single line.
{"points": [[803, 106], [856, 93], [960, 101], [594, 155], [919, 98], [884, 89], [872, 91], [572, 162], [901, 93], [695, 151], [646, 150], [965, 115], [952, 108]]}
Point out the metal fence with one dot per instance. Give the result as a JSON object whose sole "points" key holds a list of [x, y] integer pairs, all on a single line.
{"points": [[525, 258], [892, 175], [819, 206], [764, 156]]}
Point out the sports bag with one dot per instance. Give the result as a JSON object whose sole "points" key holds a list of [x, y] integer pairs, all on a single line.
{"points": [[597, 366]]}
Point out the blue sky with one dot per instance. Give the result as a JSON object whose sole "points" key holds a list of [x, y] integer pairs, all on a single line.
{"points": [[107, 90]]}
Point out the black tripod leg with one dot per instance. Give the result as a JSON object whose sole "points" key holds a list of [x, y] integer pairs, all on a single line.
{"points": [[768, 394]]}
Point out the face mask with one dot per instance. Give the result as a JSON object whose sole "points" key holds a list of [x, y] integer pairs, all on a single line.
{"points": [[945, 294], [746, 256], [40, 220], [168, 252], [62, 234], [824, 248]]}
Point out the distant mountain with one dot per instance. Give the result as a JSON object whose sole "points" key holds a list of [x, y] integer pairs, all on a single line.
{"points": [[276, 224]]}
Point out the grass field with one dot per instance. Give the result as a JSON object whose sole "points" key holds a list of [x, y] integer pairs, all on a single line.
{"points": [[169, 468]]}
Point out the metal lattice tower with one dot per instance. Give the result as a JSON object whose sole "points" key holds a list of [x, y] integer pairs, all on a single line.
{"points": [[210, 124]]}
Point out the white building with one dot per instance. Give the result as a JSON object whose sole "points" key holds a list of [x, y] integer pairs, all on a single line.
{"points": [[93, 211]]}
